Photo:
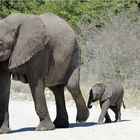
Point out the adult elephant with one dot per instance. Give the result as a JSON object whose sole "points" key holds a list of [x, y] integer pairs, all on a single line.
{"points": [[43, 52]]}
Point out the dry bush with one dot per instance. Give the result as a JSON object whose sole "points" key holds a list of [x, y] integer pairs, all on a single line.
{"points": [[131, 99], [112, 53]]}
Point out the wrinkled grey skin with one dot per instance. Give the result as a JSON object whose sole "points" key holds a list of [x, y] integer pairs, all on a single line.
{"points": [[43, 52], [110, 95]]}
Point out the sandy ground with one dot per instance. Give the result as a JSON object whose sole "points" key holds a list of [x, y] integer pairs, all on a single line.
{"points": [[23, 121]]}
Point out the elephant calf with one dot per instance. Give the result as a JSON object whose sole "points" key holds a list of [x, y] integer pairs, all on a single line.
{"points": [[110, 95]]}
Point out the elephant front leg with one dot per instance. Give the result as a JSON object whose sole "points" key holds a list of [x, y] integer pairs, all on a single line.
{"points": [[37, 88], [61, 120], [5, 124], [103, 114], [4, 98]]}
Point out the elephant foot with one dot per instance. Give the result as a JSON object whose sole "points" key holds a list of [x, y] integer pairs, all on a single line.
{"points": [[61, 123], [5, 130], [107, 121], [119, 120], [82, 115], [45, 125]]}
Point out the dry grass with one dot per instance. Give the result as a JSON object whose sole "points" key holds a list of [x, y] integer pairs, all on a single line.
{"points": [[22, 92], [17, 86], [113, 52], [132, 99]]}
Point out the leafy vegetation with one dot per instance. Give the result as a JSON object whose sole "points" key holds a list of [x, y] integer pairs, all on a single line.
{"points": [[76, 12]]}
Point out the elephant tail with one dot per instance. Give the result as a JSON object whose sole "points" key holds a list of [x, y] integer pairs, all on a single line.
{"points": [[123, 104]]}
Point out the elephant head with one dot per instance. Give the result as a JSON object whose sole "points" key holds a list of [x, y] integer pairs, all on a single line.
{"points": [[21, 37], [96, 93], [6, 41]]}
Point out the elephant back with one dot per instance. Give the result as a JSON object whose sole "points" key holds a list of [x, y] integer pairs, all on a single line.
{"points": [[63, 42]]}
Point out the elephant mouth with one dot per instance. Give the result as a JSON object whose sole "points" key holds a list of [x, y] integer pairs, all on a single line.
{"points": [[5, 54]]}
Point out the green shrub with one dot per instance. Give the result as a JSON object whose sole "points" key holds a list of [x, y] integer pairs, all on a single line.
{"points": [[76, 12]]}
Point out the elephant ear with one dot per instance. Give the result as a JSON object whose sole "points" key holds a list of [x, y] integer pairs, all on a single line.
{"points": [[107, 94], [31, 38]]}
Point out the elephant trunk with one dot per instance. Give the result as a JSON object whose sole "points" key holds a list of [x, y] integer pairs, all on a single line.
{"points": [[90, 100]]}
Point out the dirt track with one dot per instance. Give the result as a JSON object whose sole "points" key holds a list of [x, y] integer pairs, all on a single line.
{"points": [[23, 121]]}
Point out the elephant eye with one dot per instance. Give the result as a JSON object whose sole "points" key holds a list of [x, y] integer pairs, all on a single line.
{"points": [[1, 43], [1, 46]]}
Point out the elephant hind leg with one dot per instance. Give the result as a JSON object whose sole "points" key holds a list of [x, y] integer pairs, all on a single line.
{"points": [[61, 120], [74, 89], [107, 118], [117, 112]]}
